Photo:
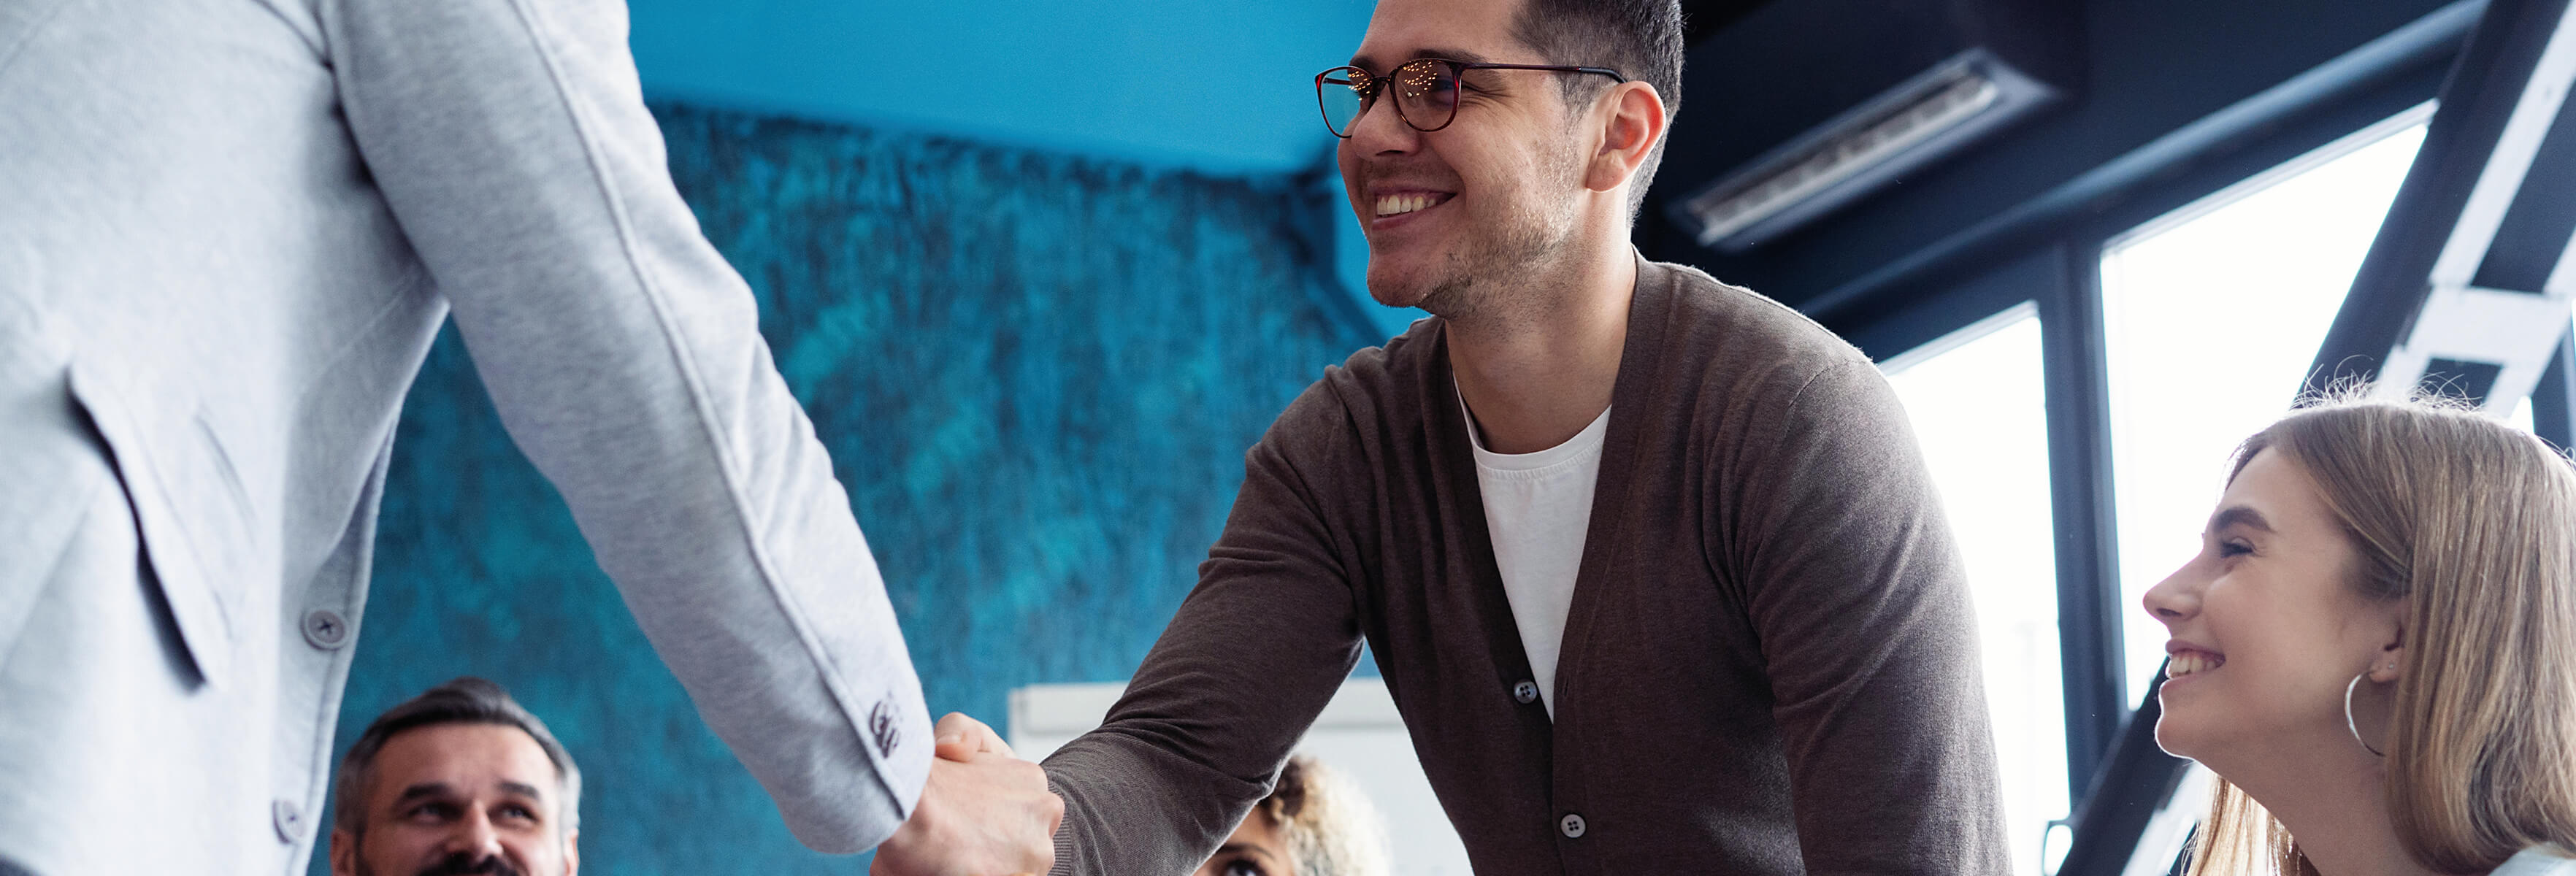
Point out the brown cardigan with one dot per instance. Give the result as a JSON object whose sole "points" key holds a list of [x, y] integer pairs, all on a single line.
{"points": [[1769, 667]]}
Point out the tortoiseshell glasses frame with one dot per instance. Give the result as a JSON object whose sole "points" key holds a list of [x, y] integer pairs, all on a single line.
{"points": [[1427, 99]]}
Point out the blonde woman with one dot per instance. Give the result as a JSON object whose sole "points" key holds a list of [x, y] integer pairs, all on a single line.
{"points": [[1314, 823], [2375, 649]]}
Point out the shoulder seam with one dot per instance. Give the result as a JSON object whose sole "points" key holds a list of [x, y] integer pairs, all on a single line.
{"points": [[1799, 396]]}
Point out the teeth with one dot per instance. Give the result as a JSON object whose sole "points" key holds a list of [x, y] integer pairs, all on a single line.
{"points": [[2189, 662], [1396, 205]]}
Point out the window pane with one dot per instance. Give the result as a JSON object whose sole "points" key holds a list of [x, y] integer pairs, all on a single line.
{"points": [[2523, 416], [2213, 315], [1976, 404]]}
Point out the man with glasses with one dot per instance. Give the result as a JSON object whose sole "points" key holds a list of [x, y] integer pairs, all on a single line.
{"points": [[1650, 564]]}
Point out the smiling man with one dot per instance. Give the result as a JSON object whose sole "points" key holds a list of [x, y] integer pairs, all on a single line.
{"points": [[457, 780], [1650, 564]]}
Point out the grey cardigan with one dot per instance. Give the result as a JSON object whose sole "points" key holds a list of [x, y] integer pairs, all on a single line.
{"points": [[1769, 666]]}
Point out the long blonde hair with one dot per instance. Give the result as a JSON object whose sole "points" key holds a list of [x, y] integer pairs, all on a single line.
{"points": [[2474, 524]]}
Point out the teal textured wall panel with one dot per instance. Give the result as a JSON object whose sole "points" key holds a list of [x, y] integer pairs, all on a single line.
{"points": [[1036, 374], [1105, 78]]}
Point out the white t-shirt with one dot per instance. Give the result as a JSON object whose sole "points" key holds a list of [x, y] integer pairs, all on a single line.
{"points": [[1538, 508], [2538, 861]]}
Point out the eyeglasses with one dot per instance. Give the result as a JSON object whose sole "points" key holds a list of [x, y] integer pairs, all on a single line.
{"points": [[1426, 95]]}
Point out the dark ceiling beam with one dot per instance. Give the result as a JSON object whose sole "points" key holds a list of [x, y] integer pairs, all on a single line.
{"points": [[2151, 68], [1703, 17], [2426, 38], [2430, 37], [2466, 289]]}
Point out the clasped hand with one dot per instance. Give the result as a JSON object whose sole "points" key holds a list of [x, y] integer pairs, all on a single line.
{"points": [[984, 812]]}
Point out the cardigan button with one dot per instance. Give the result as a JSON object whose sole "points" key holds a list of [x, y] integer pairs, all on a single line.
{"points": [[1571, 825], [1526, 691], [288, 818], [325, 629]]}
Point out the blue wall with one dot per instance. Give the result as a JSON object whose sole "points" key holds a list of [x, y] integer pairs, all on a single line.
{"points": [[1036, 373], [1225, 85], [1215, 86]]}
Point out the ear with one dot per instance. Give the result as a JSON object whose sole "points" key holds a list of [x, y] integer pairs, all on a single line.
{"points": [[344, 853], [1631, 123], [2391, 659], [572, 852]]}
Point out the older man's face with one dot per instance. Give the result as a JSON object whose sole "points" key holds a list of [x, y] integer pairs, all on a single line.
{"points": [[459, 798]]}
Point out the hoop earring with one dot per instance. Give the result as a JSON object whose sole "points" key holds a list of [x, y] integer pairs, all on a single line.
{"points": [[2348, 723]]}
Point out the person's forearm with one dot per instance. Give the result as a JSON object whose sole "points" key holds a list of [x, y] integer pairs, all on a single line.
{"points": [[624, 357]]}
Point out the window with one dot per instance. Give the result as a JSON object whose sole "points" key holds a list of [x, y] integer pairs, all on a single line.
{"points": [[1977, 406], [2212, 316]]}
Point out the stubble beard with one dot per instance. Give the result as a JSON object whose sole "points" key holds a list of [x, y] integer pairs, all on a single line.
{"points": [[1517, 246], [1474, 284]]}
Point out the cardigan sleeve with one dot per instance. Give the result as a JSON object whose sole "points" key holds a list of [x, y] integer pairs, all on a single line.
{"points": [[1255, 652], [1862, 610]]}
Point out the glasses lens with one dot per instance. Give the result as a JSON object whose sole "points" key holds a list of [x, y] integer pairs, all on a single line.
{"points": [[1340, 90], [1427, 90]]}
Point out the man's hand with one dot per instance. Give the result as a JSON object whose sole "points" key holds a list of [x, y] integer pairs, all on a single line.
{"points": [[961, 737], [984, 812]]}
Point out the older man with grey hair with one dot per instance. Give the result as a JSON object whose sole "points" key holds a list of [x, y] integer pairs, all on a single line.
{"points": [[460, 779]]}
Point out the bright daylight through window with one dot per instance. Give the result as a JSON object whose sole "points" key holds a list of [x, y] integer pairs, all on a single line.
{"points": [[2213, 315], [1976, 404]]}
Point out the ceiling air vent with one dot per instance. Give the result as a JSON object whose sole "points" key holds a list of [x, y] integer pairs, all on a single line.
{"points": [[1820, 102]]}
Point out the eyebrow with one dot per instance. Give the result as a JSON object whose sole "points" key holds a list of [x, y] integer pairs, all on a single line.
{"points": [[441, 789], [1364, 62], [1244, 849], [426, 789], [2239, 515]]}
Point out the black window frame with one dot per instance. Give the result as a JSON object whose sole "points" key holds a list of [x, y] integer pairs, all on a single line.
{"points": [[2117, 786]]}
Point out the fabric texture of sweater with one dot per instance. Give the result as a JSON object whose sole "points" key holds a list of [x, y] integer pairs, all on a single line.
{"points": [[1769, 667]]}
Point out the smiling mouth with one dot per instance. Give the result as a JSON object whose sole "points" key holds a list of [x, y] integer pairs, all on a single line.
{"points": [[2192, 663], [1409, 202]]}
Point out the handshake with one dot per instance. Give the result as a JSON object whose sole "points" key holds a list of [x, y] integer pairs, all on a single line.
{"points": [[984, 811]]}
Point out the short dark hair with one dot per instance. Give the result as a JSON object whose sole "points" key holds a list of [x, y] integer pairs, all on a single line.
{"points": [[1642, 39], [466, 700]]}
